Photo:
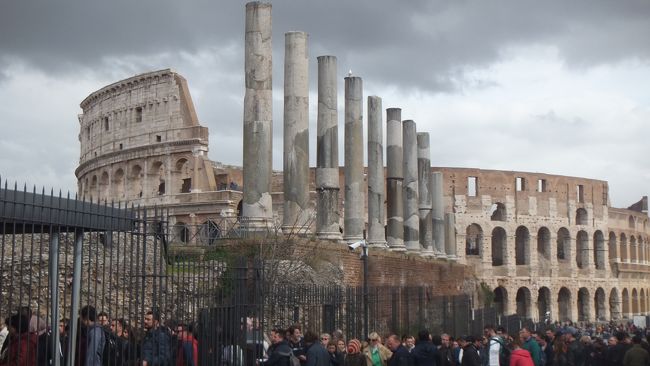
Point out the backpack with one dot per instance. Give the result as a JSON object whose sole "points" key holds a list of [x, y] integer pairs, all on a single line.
{"points": [[293, 360]]}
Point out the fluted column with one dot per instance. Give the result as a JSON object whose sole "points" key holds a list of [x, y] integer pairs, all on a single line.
{"points": [[258, 117], [438, 214], [353, 223], [410, 187], [327, 151], [297, 215], [376, 182], [424, 193], [394, 179]]}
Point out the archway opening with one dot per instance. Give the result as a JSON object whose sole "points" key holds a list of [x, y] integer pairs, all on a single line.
{"points": [[523, 300], [581, 217], [544, 243], [599, 249], [544, 303], [501, 300], [582, 249], [614, 305], [564, 304], [563, 244], [522, 246], [473, 239], [584, 304], [498, 246], [599, 301]]}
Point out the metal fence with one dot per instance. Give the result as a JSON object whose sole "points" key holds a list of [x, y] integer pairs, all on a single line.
{"points": [[59, 254]]}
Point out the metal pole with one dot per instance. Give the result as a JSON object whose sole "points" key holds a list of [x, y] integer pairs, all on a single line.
{"points": [[54, 296], [74, 300], [365, 289]]}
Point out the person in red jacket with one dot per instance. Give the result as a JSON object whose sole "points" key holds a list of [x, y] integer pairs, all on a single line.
{"points": [[519, 356], [22, 344], [188, 347]]}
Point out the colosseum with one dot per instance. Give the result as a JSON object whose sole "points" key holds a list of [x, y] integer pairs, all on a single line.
{"points": [[540, 243]]}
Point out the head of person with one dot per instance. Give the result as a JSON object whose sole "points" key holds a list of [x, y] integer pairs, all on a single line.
{"points": [[310, 337], [354, 347], [445, 340], [18, 324], [331, 347], [374, 340], [325, 339], [516, 343], [63, 324], [88, 315], [489, 331], [424, 336], [469, 340], [117, 326], [550, 334], [501, 332], [277, 335], [585, 340], [409, 342], [636, 339], [524, 333], [295, 333], [151, 320], [340, 344], [102, 318], [612, 341], [393, 342]]}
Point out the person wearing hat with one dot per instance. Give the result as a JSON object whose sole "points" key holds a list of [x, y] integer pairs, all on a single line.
{"points": [[353, 356]]}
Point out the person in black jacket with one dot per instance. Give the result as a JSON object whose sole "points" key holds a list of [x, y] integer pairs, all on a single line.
{"points": [[316, 354], [424, 353], [401, 355], [470, 353], [279, 351], [156, 345]]}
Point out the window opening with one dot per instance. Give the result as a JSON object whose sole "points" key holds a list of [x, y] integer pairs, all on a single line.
{"points": [[541, 185], [520, 184], [472, 186]]}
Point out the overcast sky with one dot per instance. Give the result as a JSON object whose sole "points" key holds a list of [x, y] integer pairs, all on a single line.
{"points": [[559, 87]]}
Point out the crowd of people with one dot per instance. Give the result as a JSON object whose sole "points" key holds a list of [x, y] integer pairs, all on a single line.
{"points": [[560, 345], [26, 341]]}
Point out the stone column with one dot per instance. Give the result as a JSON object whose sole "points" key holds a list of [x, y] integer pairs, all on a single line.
{"points": [[394, 179], [353, 223], [424, 194], [258, 117], [450, 235], [327, 152], [296, 218], [410, 187], [438, 214], [376, 182]]}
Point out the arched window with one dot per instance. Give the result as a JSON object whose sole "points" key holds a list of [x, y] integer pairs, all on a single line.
{"points": [[582, 249], [522, 246], [599, 249], [498, 212], [544, 243], [563, 244], [473, 239], [582, 217], [498, 246]]}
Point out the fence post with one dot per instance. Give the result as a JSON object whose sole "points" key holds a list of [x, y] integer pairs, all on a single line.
{"points": [[54, 294], [75, 297]]}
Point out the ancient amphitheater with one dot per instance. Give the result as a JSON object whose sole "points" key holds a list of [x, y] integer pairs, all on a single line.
{"points": [[538, 242]]}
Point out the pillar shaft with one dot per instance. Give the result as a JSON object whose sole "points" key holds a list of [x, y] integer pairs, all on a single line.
{"points": [[394, 179], [327, 151], [376, 182], [438, 214], [258, 116], [424, 193], [354, 203], [410, 187], [296, 133], [450, 235]]}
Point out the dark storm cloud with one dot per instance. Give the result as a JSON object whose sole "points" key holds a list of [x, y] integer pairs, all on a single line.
{"points": [[415, 44]]}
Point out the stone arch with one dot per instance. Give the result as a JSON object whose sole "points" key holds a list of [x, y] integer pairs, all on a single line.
{"points": [[582, 218], [522, 246], [93, 188], [209, 232], [499, 246], [104, 194], [582, 249], [599, 302], [544, 243], [135, 180], [182, 232], [623, 248], [473, 240], [614, 304], [563, 244], [584, 304], [633, 249], [626, 303], [635, 302], [118, 185], [524, 301], [613, 252], [157, 178], [182, 176], [642, 303], [564, 304], [631, 222], [501, 300], [543, 302], [498, 212], [599, 250]]}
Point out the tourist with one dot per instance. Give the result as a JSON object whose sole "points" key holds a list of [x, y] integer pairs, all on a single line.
{"points": [[494, 345], [21, 342], [560, 352], [531, 345], [424, 353], [279, 352], [636, 355], [295, 340], [95, 338], [325, 339], [156, 345], [187, 353], [353, 355], [446, 352], [336, 358], [469, 355], [315, 353], [519, 355], [376, 353], [400, 356]]}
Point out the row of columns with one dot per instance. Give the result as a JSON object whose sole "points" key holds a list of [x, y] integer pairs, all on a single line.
{"points": [[416, 221]]}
